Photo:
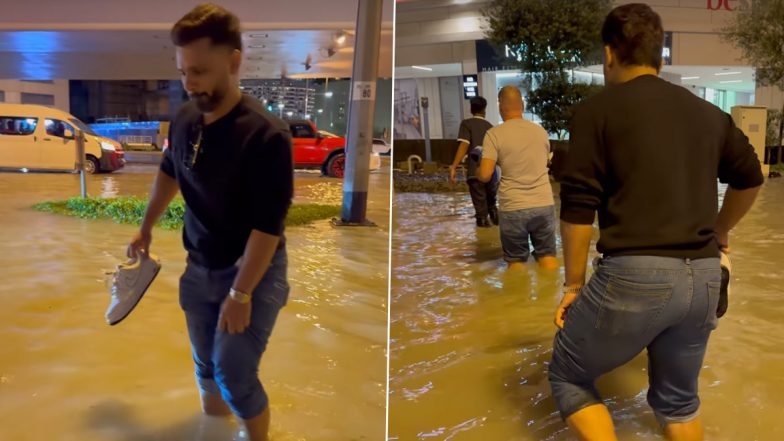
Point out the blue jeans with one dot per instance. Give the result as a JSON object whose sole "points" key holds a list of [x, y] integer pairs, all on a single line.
{"points": [[225, 363], [516, 228], [664, 304]]}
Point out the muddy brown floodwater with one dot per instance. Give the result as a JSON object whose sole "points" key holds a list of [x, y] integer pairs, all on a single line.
{"points": [[470, 344], [65, 375]]}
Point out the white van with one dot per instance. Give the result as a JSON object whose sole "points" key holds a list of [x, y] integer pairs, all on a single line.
{"points": [[42, 138]]}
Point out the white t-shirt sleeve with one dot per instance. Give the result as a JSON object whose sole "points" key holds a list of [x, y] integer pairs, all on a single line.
{"points": [[546, 140], [489, 146]]}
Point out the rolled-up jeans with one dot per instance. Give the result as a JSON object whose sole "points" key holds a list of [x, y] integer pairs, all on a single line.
{"points": [[538, 224], [227, 364], [667, 305]]}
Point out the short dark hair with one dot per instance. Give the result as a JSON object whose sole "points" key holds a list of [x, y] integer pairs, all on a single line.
{"points": [[478, 105], [635, 33], [210, 21]]}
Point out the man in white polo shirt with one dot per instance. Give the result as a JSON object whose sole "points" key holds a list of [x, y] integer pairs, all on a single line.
{"points": [[527, 209]]}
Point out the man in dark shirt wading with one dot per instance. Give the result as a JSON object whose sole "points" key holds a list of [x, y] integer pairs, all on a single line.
{"points": [[232, 161], [645, 154], [472, 132]]}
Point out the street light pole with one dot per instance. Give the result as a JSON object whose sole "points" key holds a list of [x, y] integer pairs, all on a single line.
{"points": [[80, 158], [361, 113], [426, 124]]}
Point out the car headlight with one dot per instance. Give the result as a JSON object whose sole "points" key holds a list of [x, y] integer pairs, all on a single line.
{"points": [[108, 146]]}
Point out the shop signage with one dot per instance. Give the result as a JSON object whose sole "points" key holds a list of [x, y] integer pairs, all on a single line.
{"points": [[470, 86], [491, 57], [667, 49]]}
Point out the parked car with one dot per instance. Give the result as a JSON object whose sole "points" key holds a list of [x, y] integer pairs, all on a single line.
{"points": [[314, 149], [381, 147], [42, 138]]}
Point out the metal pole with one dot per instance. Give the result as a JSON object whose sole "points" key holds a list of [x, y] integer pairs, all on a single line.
{"points": [[80, 158], [306, 98], [326, 98], [426, 123], [361, 113]]}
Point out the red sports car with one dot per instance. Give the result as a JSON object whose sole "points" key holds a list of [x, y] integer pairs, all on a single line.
{"points": [[315, 151]]}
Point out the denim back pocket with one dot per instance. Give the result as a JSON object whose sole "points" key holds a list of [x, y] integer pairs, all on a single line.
{"points": [[631, 307], [711, 318]]}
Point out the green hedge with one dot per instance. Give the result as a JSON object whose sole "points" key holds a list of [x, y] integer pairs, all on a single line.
{"points": [[130, 210]]}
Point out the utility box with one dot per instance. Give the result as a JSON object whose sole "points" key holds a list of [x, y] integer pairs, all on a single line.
{"points": [[753, 122]]}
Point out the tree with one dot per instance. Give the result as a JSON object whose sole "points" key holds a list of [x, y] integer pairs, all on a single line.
{"points": [[773, 137], [758, 30], [553, 96], [551, 37]]}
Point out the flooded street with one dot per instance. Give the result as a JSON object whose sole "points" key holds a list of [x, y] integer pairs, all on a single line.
{"points": [[65, 375], [470, 344]]}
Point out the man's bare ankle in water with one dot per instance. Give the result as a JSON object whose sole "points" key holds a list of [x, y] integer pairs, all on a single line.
{"points": [[258, 427], [516, 266], [213, 405], [549, 263]]}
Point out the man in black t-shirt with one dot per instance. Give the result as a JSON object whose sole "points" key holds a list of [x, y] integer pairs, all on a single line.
{"points": [[472, 132], [232, 162], [646, 156]]}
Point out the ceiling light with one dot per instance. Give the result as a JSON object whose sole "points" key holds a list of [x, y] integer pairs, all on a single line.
{"points": [[727, 73], [690, 78], [733, 81], [259, 35], [257, 46], [422, 68], [340, 38]]}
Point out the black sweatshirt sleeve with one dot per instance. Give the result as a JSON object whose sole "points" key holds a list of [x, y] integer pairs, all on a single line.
{"points": [[269, 176], [581, 185], [739, 165], [167, 162]]}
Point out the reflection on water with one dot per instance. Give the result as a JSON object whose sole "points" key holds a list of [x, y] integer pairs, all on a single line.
{"points": [[470, 342], [65, 375], [109, 187]]}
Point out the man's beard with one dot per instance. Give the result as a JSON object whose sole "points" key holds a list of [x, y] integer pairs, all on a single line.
{"points": [[208, 102]]}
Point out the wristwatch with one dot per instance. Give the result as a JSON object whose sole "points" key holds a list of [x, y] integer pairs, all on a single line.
{"points": [[239, 296]]}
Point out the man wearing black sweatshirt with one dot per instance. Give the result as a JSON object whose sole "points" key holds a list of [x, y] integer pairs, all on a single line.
{"points": [[233, 163], [646, 155]]}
